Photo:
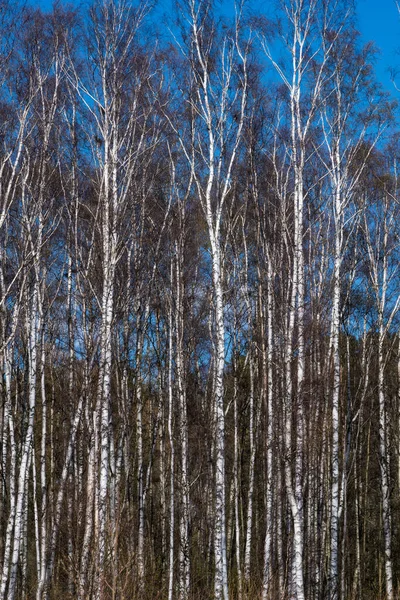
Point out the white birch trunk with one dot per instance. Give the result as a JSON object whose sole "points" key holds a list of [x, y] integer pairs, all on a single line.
{"points": [[140, 468], [267, 374], [221, 573], [32, 322], [380, 278], [9, 421], [42, 542], [172, 457], [184, 550], [335, 329], [236, 474], [383, 461], [213, 191]]}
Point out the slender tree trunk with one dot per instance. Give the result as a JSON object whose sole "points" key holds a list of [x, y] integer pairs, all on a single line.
{"points": [[184, 550], [267, 374], [221, 573], [383, 460], [32, 323], [172, 453], [335, 504]]}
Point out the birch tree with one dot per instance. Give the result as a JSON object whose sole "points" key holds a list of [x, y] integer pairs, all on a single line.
{"points": [[120, 136], [211, 146], [344, 136], [381, 248], [304, 45]]}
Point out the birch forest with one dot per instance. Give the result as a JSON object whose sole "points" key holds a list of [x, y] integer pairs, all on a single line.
{"points": [[199, 304]]}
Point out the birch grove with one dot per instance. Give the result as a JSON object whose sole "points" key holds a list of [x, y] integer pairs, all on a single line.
{"points": [[199, 304]]}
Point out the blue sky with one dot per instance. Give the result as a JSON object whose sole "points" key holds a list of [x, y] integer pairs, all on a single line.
{"points": [[378, 20]]}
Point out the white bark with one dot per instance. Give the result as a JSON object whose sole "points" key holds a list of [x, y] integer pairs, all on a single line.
{"points": [[172, 455], [32, 323], [383, 460], [267, 374], [335, 329], [212, 154], [140, 468], [184, 549], [236, 471], [379, 251], [221, 574], [9, 423]]}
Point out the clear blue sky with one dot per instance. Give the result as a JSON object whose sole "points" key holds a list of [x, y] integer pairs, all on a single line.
{"points": [[378, 20]]}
